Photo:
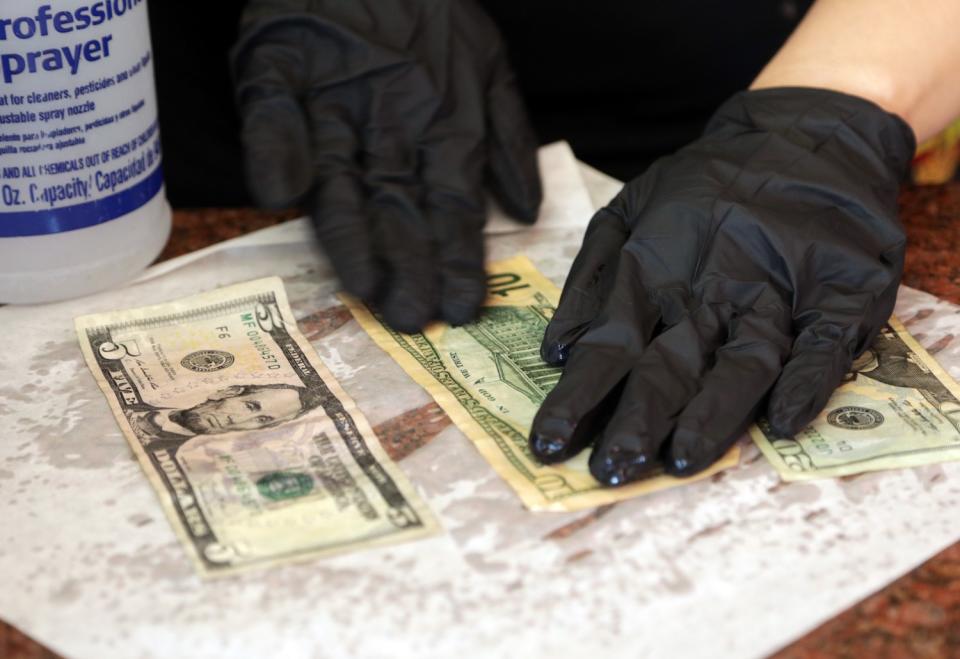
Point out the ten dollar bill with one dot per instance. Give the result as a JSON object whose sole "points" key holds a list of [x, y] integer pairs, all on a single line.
{"points": [[489, 378]]}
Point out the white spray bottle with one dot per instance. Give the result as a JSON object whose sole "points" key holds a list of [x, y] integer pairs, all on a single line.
{"points": [[82, 203]]}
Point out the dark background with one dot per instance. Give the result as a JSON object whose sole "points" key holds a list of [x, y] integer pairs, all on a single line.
{"points": [[623, 81]]}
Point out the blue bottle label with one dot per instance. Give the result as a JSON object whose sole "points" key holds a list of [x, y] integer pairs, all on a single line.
{"points": [[79, 141]]}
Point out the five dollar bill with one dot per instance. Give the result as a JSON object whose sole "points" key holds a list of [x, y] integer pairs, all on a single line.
{"points": [[257, 454]]}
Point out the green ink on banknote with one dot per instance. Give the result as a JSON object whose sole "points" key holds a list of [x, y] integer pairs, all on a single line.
{"points": [[280, 485]]}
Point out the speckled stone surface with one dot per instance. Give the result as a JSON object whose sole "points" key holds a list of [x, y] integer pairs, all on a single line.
{"points": [[932, 218], [198, 228], [917, 615]]}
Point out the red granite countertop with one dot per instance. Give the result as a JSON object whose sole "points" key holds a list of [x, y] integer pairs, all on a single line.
{"points": [[917, 615]]}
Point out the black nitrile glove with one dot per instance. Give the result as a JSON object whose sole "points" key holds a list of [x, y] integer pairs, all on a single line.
{"points": [[760, 259], [383, 119]]}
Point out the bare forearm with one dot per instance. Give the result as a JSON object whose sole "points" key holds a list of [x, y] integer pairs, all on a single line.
{"points": [[903, 55]]}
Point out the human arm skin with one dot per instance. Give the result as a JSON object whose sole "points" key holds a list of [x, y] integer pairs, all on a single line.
{"points": [[904, 55]]}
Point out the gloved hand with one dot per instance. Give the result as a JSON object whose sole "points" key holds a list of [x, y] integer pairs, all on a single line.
{"points": [[382, 118], [761, 259]]}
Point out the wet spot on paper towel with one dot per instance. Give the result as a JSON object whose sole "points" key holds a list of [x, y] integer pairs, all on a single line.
{"points": [[140, 519], [11, 394], [565, 531], [814, 514], [486, 564], [404, 434], [940, 344], [709, 531], [579, 556], [67, 398], [676, 581], [323, 323], [859, 486], [920, 315], [53, 444], [930, 476], [67, 592], [794, 493], [164, 563], [55, 354]]}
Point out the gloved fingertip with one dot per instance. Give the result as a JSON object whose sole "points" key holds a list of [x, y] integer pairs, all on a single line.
{"points": [[461, 301], [527, 211], [690, 452], [615, 464], [547, 448], [276, 192], [792, 407], [406, 313], [516, 183], [277, 161], [681, 461], [788, 421], [361, 285], [617, 472], [406, 322], [807, 383], [459, 312], [555, 354], [550, 439], [559, 339], [359, 274]]}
